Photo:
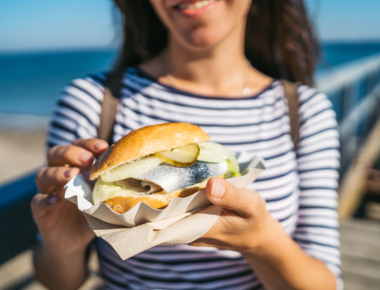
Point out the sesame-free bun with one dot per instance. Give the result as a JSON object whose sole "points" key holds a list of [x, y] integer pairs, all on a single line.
{"points": [[146, 141]]}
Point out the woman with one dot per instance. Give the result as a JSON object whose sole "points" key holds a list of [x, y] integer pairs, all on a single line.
{"points": [[190, 61]]}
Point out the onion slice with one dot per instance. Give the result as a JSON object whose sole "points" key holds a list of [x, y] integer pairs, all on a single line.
{"points": [[132, 169], [211, 152], [215, 153]]}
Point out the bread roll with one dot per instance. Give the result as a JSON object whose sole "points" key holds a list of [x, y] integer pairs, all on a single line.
{"points": [[146, 141], [143, 142]]}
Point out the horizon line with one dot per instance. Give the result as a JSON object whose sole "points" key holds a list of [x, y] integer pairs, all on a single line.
{"points": [[116, 47]]}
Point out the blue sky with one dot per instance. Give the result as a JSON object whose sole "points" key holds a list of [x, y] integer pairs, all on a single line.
{"points": [[346, 19], [57, 25]]}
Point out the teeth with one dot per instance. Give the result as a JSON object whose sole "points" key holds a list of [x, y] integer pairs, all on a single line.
{"points": [[196, 5]]}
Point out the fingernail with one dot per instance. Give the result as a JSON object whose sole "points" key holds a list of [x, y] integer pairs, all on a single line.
{"points": [[217, 190], [84, 157], [99, 145], [70, 172], [53, 200]]}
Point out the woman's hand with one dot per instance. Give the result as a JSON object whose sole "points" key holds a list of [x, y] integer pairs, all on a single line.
{"points": [[61, 225], [244, 224]]}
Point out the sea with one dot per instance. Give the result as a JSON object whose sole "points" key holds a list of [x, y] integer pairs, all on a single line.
{"points": [[31, 83]]}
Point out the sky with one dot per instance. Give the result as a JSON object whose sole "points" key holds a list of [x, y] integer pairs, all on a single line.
{"points": [[346, 19], [33, 25]]}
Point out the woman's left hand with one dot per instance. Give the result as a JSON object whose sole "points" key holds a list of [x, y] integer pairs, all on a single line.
{"points": [[245, 226], [244, 223]]}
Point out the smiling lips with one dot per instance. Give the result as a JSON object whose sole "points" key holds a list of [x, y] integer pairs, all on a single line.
{"points": [[195, 5], [195, 8]]}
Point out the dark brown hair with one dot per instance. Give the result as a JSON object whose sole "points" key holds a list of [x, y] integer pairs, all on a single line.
{"points": [[279, 40]]}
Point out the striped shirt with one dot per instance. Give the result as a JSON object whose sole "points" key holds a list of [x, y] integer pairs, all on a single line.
{"points": [[299, 188]]}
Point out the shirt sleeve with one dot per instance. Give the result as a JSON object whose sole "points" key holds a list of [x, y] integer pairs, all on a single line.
{"points": [[77, 113], [318, 161]]}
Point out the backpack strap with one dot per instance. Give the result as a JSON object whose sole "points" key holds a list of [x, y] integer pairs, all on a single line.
{"points": [[291, 95], [112, 94]]}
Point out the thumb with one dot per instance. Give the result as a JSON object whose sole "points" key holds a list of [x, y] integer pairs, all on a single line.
{"points": [[220, 192]]}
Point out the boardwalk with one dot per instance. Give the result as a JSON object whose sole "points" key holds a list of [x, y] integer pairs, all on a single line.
{"points": [[17, 274], [360, 261], [360, 248]]}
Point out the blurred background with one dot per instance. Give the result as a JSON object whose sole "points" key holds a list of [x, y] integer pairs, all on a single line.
{"points": [[44, 44]]}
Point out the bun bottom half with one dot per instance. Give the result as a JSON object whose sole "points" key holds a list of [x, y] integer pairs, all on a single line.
{"points": [[121, 204]]}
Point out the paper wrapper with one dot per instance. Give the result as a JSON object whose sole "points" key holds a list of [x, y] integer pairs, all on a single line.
{"points": [[142, 227]]}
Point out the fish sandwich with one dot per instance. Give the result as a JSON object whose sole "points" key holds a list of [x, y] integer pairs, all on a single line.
{"points": [[156, 163]]}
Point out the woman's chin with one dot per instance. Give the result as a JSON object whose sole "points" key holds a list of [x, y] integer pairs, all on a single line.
{"points": [[198, 41], [201, 45]]}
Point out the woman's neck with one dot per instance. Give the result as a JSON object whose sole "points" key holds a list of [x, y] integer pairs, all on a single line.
{"points": [[224, 62], [222, 70]]}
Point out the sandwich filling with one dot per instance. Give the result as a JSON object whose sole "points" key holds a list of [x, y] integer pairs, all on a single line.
{"points": [[167, 171]]}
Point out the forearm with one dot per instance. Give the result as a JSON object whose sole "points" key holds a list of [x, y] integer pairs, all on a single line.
{"points": [[59, 272], [281, 264]]}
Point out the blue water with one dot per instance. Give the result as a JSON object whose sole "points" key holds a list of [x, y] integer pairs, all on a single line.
{"points": [[334, 54], [31, 83]]}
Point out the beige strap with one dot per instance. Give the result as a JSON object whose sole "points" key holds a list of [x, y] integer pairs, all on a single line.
{"points": [[291, 95], [107, 116], [112, 94]]}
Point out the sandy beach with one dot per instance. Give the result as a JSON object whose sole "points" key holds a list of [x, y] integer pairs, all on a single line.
{"points": [[22, 145]]}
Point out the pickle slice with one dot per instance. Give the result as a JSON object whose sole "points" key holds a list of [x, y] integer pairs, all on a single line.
{"points": [[181, 156]]}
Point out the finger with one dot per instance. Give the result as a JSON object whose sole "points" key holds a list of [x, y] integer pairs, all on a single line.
{"points": [[41, 204], [242, 201], [94, 145], [48, 179], [69, 154]]}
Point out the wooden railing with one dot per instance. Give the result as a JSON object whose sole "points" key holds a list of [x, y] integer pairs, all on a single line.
{"points": [[17, 229], [354, 90]]}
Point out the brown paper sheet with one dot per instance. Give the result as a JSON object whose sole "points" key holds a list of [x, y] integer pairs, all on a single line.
{"points": [[182, 229], [142, 227]]}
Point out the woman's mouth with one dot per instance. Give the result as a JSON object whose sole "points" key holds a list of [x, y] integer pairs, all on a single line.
{"points": [[195, 8], [195, 5]]}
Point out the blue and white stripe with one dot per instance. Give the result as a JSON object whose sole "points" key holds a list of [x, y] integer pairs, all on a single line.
{"points": [[300, 188]]}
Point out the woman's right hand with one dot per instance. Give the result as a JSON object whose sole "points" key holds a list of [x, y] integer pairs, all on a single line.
{"points": [[63, 228]]}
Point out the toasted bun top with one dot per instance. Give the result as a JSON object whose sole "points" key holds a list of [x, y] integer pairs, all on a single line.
{"points": [[145, 141]]}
